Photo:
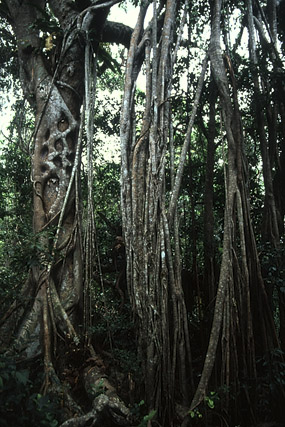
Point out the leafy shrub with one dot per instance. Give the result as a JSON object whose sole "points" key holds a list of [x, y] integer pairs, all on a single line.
{"points": [[270, 385], [20, 405]]}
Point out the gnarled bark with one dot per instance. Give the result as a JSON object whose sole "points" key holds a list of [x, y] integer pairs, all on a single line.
{"points": [[53, 81]]}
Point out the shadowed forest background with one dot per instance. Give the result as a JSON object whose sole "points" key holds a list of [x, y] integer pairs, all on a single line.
{"points": [[142, 203]]}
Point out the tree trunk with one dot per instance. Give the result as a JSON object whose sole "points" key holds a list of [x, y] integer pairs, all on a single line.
{"points": [[241, 299], [154, 280], [56, 281], [209, 250], [53, 303]]}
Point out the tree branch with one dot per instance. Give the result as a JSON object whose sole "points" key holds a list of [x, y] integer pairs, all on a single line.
{"points": [[115, 32], [64, 12]]}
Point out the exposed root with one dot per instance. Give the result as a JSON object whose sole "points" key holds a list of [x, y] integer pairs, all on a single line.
{"points": [[107, 407], [105, 410]]}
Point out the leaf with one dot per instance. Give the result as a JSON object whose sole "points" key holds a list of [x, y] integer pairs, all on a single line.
{"points": [[147, 418], [210, 403], [22, 376], [108, 60]]}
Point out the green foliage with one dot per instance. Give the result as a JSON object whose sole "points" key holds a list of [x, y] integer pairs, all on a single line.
{"points": [[107, 207], [210, 402], [20, 405], [47, 22], [15, 181], [138, 410], [17, 246], [107, 61], [110, 77], [195, 413], [9, 70], [147, 418], [270, 384], [210, 399], [273, 269], [110, 320]]}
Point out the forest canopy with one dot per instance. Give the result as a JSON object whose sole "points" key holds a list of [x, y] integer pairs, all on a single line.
{"points": [[142, 203]]}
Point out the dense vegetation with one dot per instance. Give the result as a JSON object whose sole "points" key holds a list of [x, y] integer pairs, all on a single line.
{"points": [[143, 285]]}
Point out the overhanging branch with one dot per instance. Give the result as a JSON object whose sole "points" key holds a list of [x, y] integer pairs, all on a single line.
{"points": [[115, 32]]}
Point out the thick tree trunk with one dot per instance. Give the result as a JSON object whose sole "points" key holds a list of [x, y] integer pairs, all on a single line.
{"points": [[56, 279], [238, 323], [48, 323]]}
